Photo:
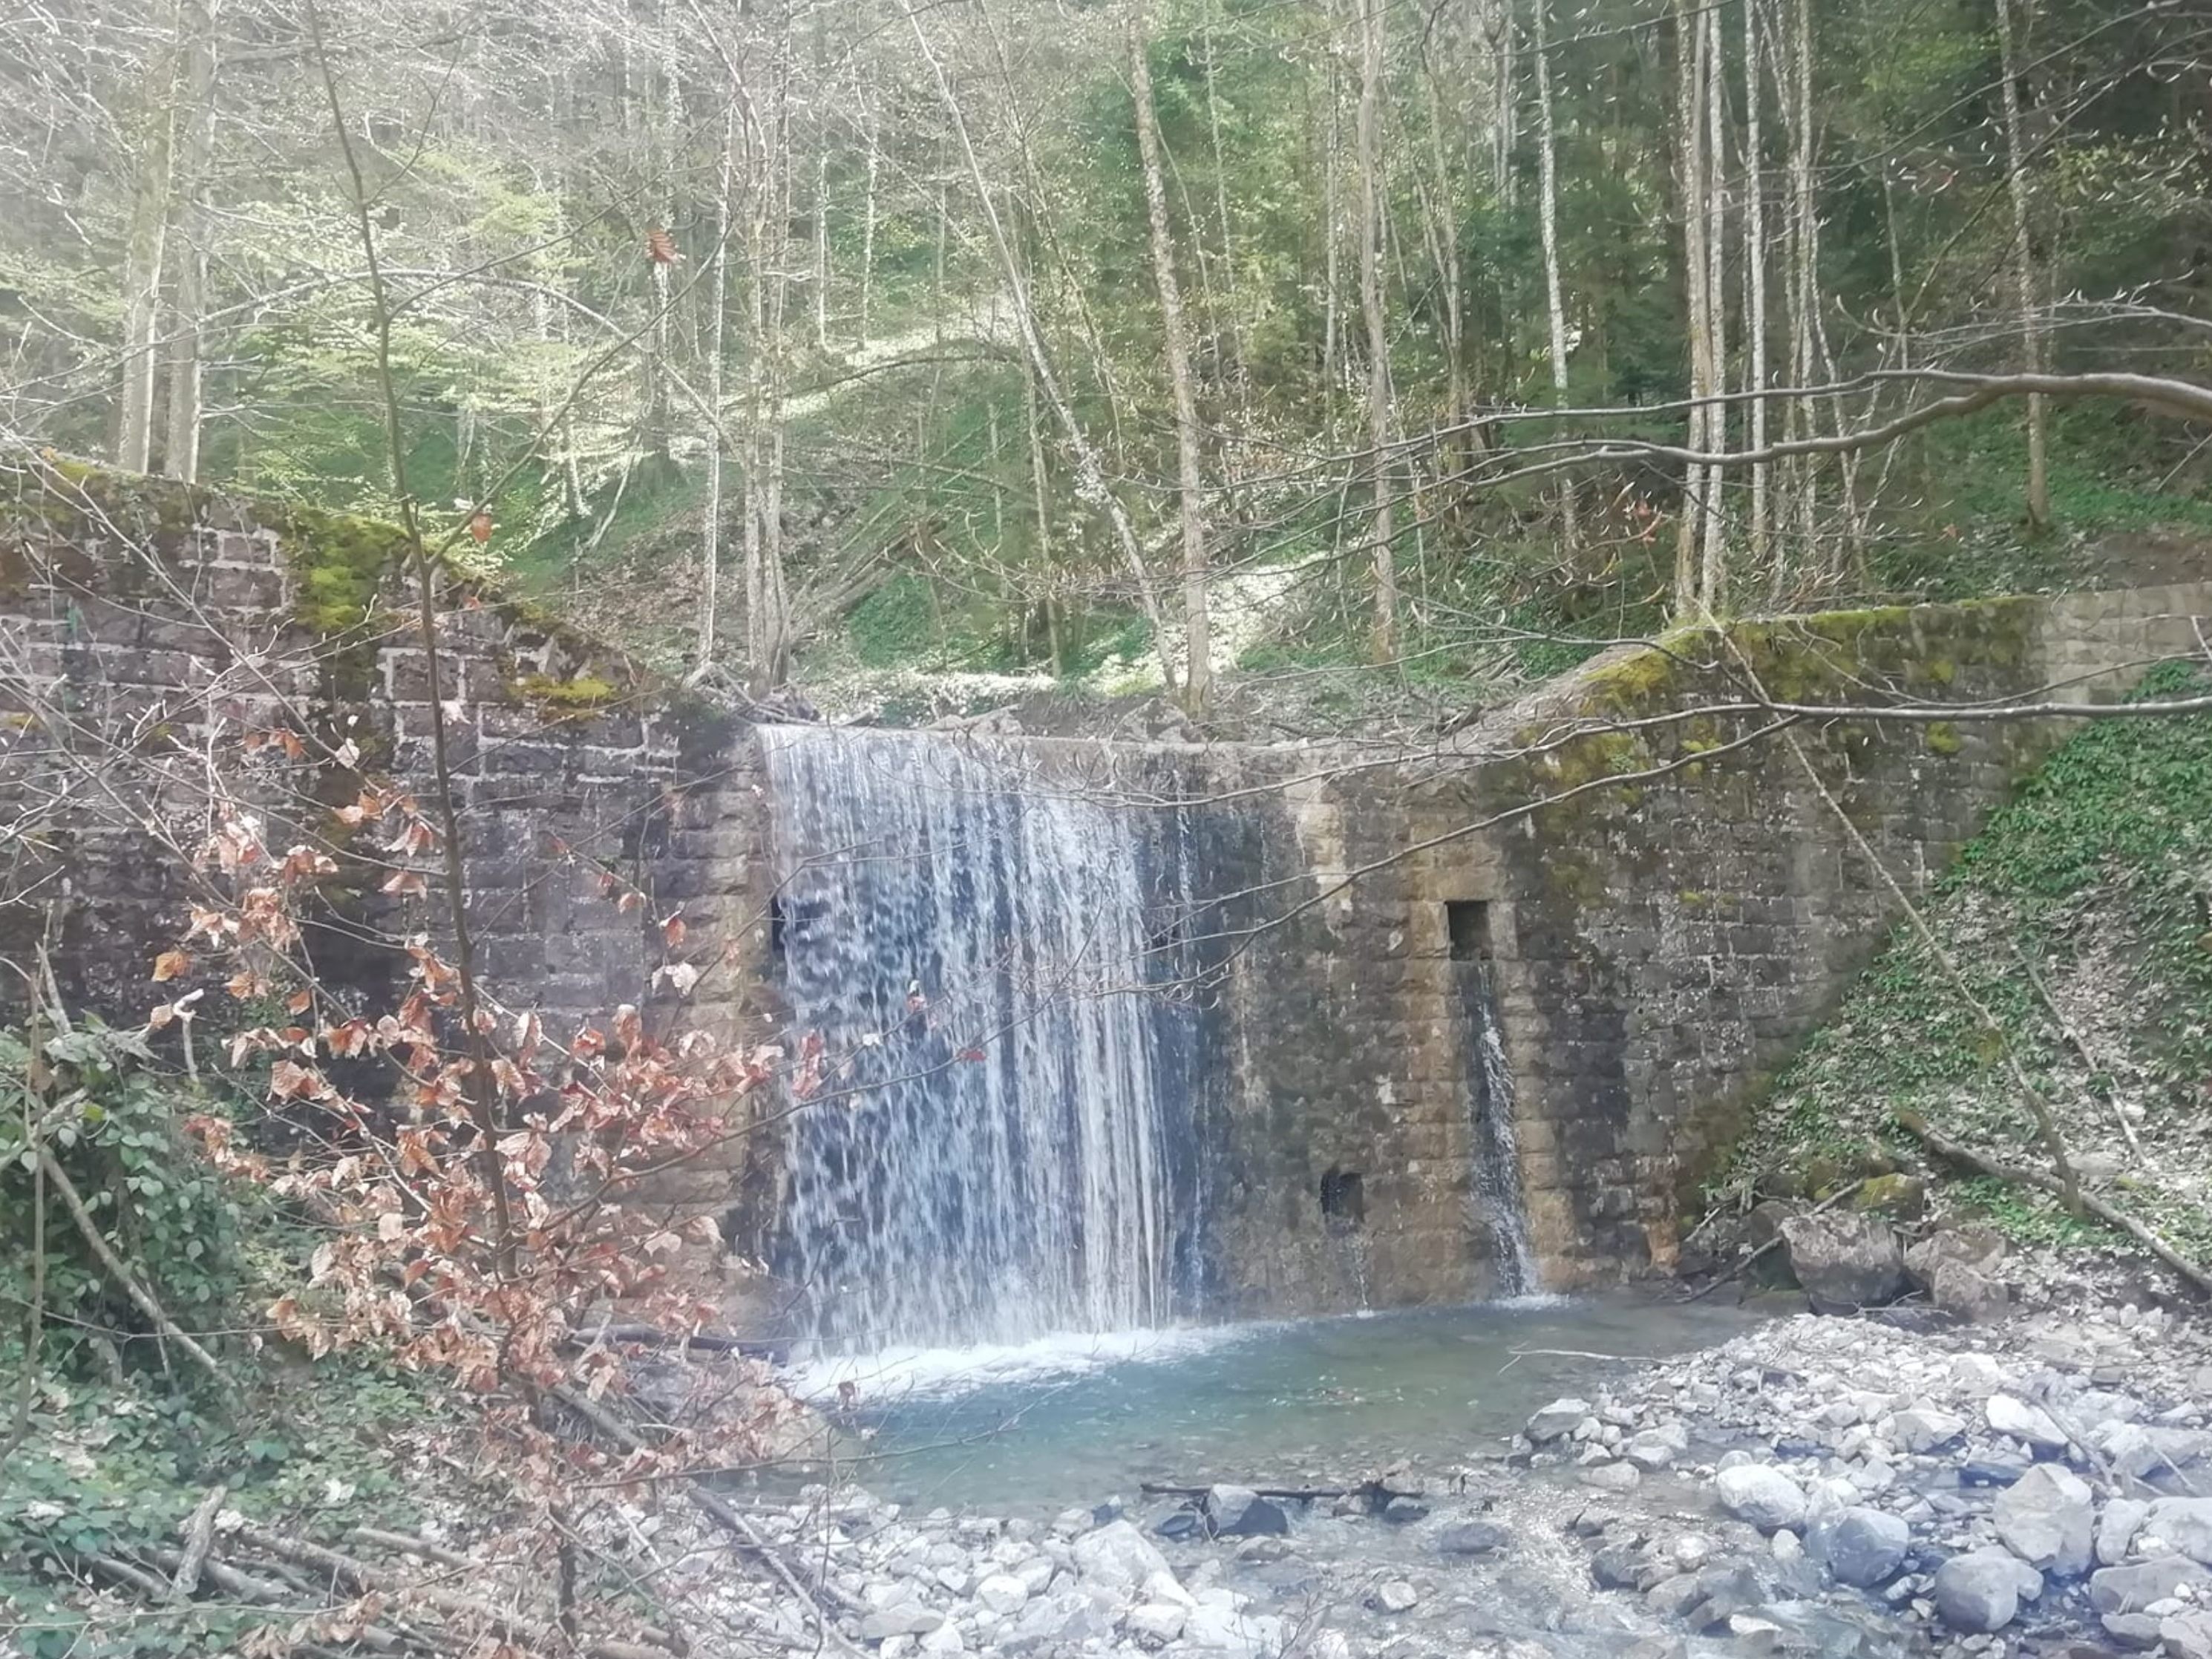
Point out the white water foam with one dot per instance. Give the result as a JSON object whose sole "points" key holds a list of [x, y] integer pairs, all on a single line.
{"points": [[907, 1371]]}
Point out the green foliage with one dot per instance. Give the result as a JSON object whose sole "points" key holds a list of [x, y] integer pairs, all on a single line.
{"points": [[2101, 866], [171, 1218]]}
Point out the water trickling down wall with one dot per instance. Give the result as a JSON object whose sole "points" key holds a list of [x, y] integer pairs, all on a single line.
{"points": [[984, 1147]]}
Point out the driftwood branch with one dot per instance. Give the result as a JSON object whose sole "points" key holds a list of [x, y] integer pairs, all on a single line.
{"points": [[712, 1505], [364, 1579], [199, 1538], [1966, 1157]]}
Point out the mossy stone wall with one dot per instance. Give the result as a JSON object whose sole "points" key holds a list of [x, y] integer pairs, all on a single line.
{"points": [[152, 626]]}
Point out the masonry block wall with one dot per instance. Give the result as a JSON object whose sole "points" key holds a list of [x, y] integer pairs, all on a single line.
{"points": [[1664, 900], [148, 629], [1670, 905]]}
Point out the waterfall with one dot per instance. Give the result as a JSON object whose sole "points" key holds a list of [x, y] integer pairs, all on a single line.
{"points": [[1500, 1204], [980, 1152]]}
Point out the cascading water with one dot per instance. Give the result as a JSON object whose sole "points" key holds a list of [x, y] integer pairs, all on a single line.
{"points": [[1497, 1194], [985, 1156]]}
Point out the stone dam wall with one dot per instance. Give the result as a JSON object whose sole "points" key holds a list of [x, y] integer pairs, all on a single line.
{"points": [[1660, 899]]}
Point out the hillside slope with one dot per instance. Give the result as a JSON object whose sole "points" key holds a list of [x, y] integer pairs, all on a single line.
{"points": [[2081, 919]]}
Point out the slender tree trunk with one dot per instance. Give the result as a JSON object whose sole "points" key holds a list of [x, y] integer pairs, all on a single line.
{"points": [[2023, 263], [1548, 222], [1369, 139], [1712, 573], [821, 251], [1332, 211], [1198, 669], [868, 224], [1452, 274], [153, 179], [1755, 280], [1690, 168], [180, 448], [1505, 107], [718, 297], [1236, 377]]}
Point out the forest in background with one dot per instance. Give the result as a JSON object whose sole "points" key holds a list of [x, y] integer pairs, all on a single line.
{"points": [[1021, 337]]}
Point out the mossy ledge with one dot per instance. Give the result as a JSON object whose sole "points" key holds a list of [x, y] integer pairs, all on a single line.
{"points": [[346, 571]]}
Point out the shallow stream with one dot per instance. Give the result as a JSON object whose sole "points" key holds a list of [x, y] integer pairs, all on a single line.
{"points": [[1034, 1429]]}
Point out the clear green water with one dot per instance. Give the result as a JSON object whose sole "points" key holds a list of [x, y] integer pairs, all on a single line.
{"points": [[1313, 1402]]}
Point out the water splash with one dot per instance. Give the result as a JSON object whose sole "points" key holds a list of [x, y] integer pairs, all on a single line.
{"points": [[986, 1157], [1500, 1204]]}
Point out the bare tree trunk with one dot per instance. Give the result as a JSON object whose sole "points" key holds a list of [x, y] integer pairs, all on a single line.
{"points": [[717, 297], [868, 224], [1198, 668], [1452, 275], [821, 250], [1804, 274], [154, 178], [1332, 212], [1384, 637], [1236, 378], [2023, 265], [1690, 168], [1548, 221], [1712, 573], [1505, 107], [180, 448], [1754, 278]]}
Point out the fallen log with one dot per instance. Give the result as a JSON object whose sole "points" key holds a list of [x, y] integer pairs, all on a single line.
{"points": [[364, 1579], [1966, 1157]]}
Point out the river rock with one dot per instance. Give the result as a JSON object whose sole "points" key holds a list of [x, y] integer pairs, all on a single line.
{"points": [[2132, 1589], [1846, 1261], [1117, 1555], [2186, 1634], [1003, 1593], [2117, 1527], [2048, 1518], [944, 1640], [1240, 1512], [1561, 1417], [1156, 1624], [1761, 1494], [1219, 1623], [1610, 1477], [1923, 1428], [1972, 1245], [2131, 1629], [2016, 1416], [1654, 1449], [2186, 1524], [1396, 1595], [1981, 1590], [903, 1618], [1404, 1510], [1471, 1538], [1860, 1545], [1967, 1293]]}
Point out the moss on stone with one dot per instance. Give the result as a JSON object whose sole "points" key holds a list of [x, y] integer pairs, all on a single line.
{"points": [[1942, 738], [556, 699], [339, 563]]}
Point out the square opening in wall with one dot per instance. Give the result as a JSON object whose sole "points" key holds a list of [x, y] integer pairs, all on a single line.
{"points": [[1467, 925]]}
